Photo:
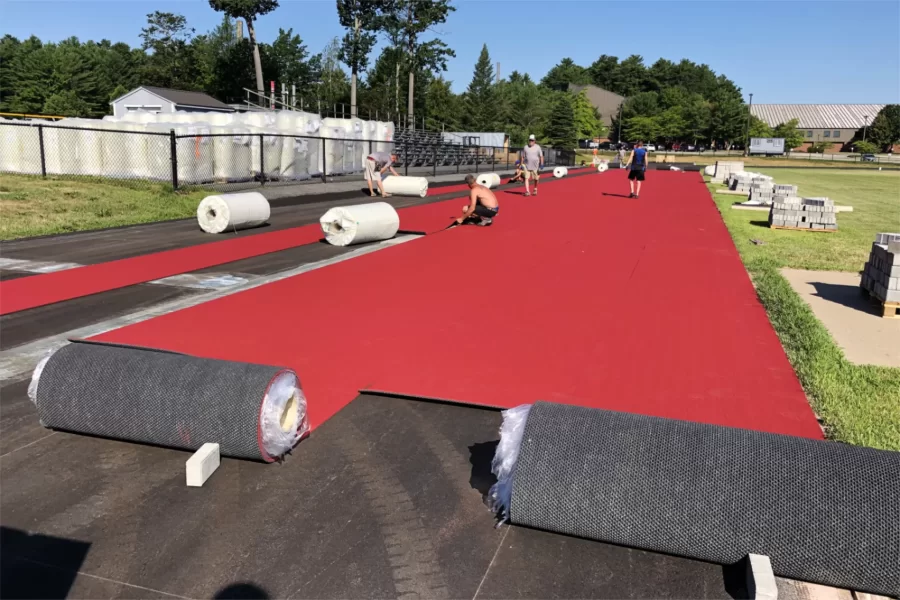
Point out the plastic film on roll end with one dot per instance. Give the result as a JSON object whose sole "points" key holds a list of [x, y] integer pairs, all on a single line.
{"points": [[505, 458], [283, 419], [36, 375]]}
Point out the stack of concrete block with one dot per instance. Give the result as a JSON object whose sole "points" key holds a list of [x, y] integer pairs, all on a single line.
{"points": [[725, 167], [808, 213], [762, 192], [881, 275]]}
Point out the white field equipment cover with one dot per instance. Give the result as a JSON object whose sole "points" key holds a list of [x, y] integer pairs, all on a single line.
{"points": [[360, 223], [405, 186], [230, 212], [488, 180]]}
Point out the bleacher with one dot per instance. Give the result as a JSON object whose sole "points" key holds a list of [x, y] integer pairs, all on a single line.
{"points": [[418, 148]]}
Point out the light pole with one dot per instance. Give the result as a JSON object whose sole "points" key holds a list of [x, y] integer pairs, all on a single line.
{"points": [[747, 147], [865, 125], [619, 135]]}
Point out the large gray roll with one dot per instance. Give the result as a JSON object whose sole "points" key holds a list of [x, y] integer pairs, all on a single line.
{"points": [[168, 399], [822, 511]]}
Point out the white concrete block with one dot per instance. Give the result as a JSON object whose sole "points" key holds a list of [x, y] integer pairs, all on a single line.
{"points": [[760, 578], [202, 464]]}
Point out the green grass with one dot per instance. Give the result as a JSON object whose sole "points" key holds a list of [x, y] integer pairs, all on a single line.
{"points": [[32, 206], [858, 404], [874, 196]]}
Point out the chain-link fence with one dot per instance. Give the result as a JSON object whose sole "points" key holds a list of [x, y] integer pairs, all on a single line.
{"points": [[232, 161]]}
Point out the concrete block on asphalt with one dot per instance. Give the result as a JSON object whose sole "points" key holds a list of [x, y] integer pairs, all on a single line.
{"points": [[760, 578], [202, 464]]}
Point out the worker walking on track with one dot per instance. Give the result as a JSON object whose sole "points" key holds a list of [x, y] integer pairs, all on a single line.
{"points": [[533, 157], [638, 163], [377, 164]]}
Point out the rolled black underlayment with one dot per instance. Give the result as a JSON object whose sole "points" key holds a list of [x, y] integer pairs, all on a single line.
{"points": [[168, 399], [822, 511]]}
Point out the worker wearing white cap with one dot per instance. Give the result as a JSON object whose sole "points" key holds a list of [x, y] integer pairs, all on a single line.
{"points": [[533, 157]]}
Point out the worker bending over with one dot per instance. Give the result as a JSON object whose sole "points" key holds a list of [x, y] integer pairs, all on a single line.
{"points": [[377, 164], [482, 203]]}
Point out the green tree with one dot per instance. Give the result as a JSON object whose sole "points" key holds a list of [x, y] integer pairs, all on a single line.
{"points": [[361, 19], [885, 128], [407, 22], [727, 117], [759, 128], [604, 72], [172, 62], [642, 128], [66, 104], [672, 124], [793, 137], [249, 11], [566, 72], [481, 101], [526, 107], [561, 130], [865, 147], [587, 120], [209, 50], [333, 87], [290, 61], [696, 113], [443, 106]]}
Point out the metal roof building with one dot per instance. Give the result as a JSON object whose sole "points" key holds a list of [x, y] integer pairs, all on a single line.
{"points": [[818, 116]]}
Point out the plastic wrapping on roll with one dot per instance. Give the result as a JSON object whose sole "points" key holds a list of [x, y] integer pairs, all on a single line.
{"points": [[603, 167], [488, 180], [399, 185], [709, 170], [560, 172], [822, 511], [231, 212], [167, 399], [360, 223]]}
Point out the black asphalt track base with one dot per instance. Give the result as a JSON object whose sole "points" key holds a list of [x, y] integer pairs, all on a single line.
{"points": [[385, 500]]}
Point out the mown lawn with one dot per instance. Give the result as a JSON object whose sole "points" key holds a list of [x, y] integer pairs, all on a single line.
{"points": [[31, 206], [858, 404]]}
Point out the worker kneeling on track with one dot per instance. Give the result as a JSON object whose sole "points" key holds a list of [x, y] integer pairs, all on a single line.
{"points": [[482, 206]]}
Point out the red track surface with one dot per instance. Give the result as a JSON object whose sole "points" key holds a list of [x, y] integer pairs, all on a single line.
{"points": [[636, 305], [39, 290]]}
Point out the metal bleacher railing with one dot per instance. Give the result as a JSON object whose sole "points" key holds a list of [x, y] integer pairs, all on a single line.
{"points": [[233, 161]]}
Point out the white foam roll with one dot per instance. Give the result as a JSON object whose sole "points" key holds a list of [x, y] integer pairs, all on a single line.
{"points": [[360, 223], [602, 167], [405, 186], [488, 180], [230, 212], [560, 172], [710, 170]]}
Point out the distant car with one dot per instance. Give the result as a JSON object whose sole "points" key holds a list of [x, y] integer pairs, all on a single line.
{"points": [[868, 158], [650, 147]]}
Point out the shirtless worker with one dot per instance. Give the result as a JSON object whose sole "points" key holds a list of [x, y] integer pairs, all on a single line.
{"points": [[482, 203], [376, 165], [533, 157]]}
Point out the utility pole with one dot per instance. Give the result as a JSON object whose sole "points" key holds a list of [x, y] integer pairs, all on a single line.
{"points": [[619, 135], [865, 125], [747, 147], [498, 73]]}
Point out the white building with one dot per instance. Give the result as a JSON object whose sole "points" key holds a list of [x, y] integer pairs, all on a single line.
{"points": [[163, 100]]}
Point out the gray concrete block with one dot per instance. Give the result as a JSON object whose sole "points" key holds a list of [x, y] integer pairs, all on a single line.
{"points": [[885, 238], [818, 226]]}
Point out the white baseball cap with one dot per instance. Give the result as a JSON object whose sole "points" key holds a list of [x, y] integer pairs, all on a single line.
{"points": [[531, 137]]}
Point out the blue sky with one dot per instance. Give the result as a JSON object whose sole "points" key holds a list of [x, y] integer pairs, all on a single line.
{"points": [[821, 51]]}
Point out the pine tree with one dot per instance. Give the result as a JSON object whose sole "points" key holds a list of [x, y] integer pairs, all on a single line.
{"points": [[481, 99], [561, 132]]}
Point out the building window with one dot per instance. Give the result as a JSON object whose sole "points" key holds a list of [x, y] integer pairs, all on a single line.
{"points": [[827, 133], [149, 108], [809, 134], [837, 133]]}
